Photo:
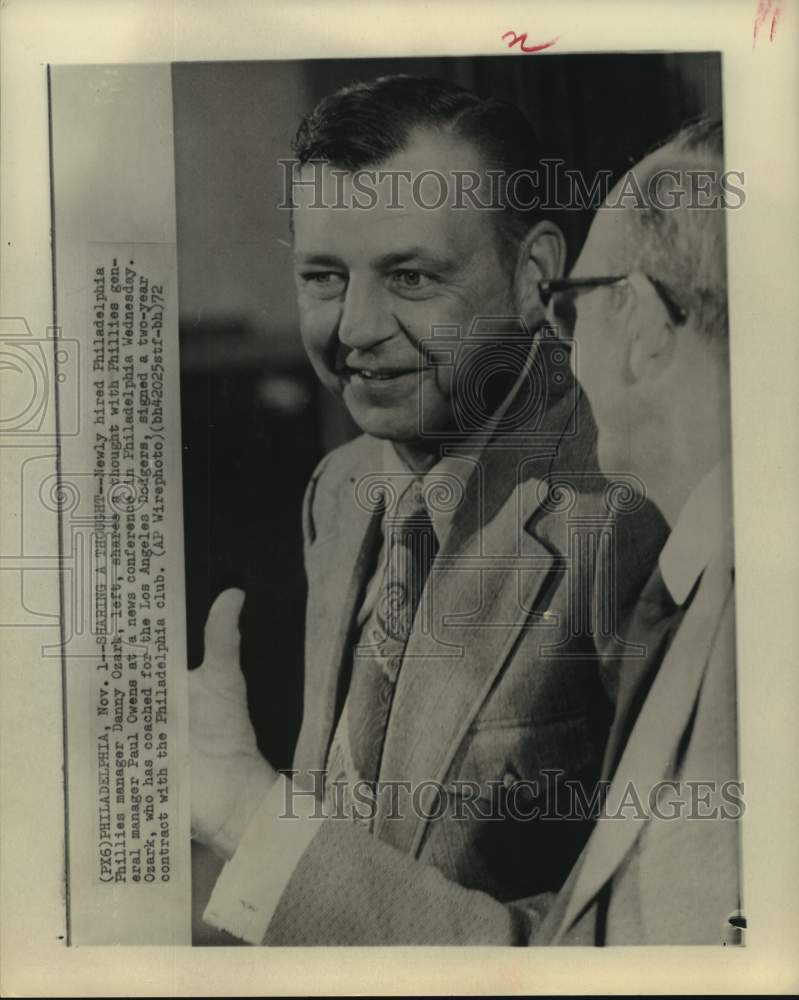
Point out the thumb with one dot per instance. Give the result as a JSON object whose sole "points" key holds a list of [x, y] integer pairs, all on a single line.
{"points": [[222, 636]]}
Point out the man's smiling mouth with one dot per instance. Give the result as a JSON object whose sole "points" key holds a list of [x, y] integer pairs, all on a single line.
{"points": [[377, 374]]}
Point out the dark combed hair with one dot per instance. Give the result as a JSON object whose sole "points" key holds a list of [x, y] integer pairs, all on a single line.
{"points": [[363, 124]]}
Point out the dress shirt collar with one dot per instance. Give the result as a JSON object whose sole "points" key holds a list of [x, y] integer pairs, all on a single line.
{"points": [[395, 467], [702, 528]]}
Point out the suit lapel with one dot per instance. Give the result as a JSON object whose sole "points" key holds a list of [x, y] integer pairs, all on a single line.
{"points": [[338, 567], [478, 600], [652, 746], [448, 671]]}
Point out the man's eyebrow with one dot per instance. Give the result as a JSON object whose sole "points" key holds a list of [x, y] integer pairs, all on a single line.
{"points": [[421, 254], [322, 259]]}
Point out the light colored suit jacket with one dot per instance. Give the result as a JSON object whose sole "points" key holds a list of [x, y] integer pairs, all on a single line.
{"points": [[506, 687], [670, 881]]}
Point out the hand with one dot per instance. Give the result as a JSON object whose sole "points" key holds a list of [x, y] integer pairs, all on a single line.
{"points": [[229, 777]]}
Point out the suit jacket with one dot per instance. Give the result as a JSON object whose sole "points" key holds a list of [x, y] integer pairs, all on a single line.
{"points": [[670, 881], [506, 687]]}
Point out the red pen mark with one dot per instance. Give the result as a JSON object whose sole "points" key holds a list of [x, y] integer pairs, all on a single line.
{"points": [[766, 9], [521, 41]]}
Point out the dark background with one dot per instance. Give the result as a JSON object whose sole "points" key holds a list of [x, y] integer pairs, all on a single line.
{"points": [[254, 420]]}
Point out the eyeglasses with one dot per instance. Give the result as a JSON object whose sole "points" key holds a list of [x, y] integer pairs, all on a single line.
{"points": [[574, 286]]}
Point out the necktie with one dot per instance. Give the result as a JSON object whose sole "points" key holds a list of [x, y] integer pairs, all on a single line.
{"points": [[408, 551]]}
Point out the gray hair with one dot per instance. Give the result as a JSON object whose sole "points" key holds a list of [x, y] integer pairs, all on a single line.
{"points": [[685, 248]]}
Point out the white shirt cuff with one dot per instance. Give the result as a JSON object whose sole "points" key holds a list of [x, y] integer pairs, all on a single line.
{"points": [[250, 885]]}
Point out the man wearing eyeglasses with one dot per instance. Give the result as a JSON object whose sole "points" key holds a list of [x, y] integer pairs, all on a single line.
{"points": [[450, 553], [647, 302]]}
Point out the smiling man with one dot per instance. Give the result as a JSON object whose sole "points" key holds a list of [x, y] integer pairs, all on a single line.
{"points": [[453, 704]]}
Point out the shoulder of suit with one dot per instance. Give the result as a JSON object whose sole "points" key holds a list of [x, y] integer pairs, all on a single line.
{"points": [[362, 454], [587, 502], [342, 467]]}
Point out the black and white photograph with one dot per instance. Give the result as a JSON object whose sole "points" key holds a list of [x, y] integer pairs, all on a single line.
{"points": [[455, 446], [447, 580]]}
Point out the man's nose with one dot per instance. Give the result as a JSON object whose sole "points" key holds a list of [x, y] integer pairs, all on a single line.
{"points": [[365, 319]]}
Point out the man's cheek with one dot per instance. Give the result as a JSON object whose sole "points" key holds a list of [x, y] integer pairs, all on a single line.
{"points": [[329, 379], [427, 321], [444, 380], [318, 330], [586, 365]]}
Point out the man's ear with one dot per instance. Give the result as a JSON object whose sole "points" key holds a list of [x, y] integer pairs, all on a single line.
{"points": [[649, 333], [542, 257]]}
